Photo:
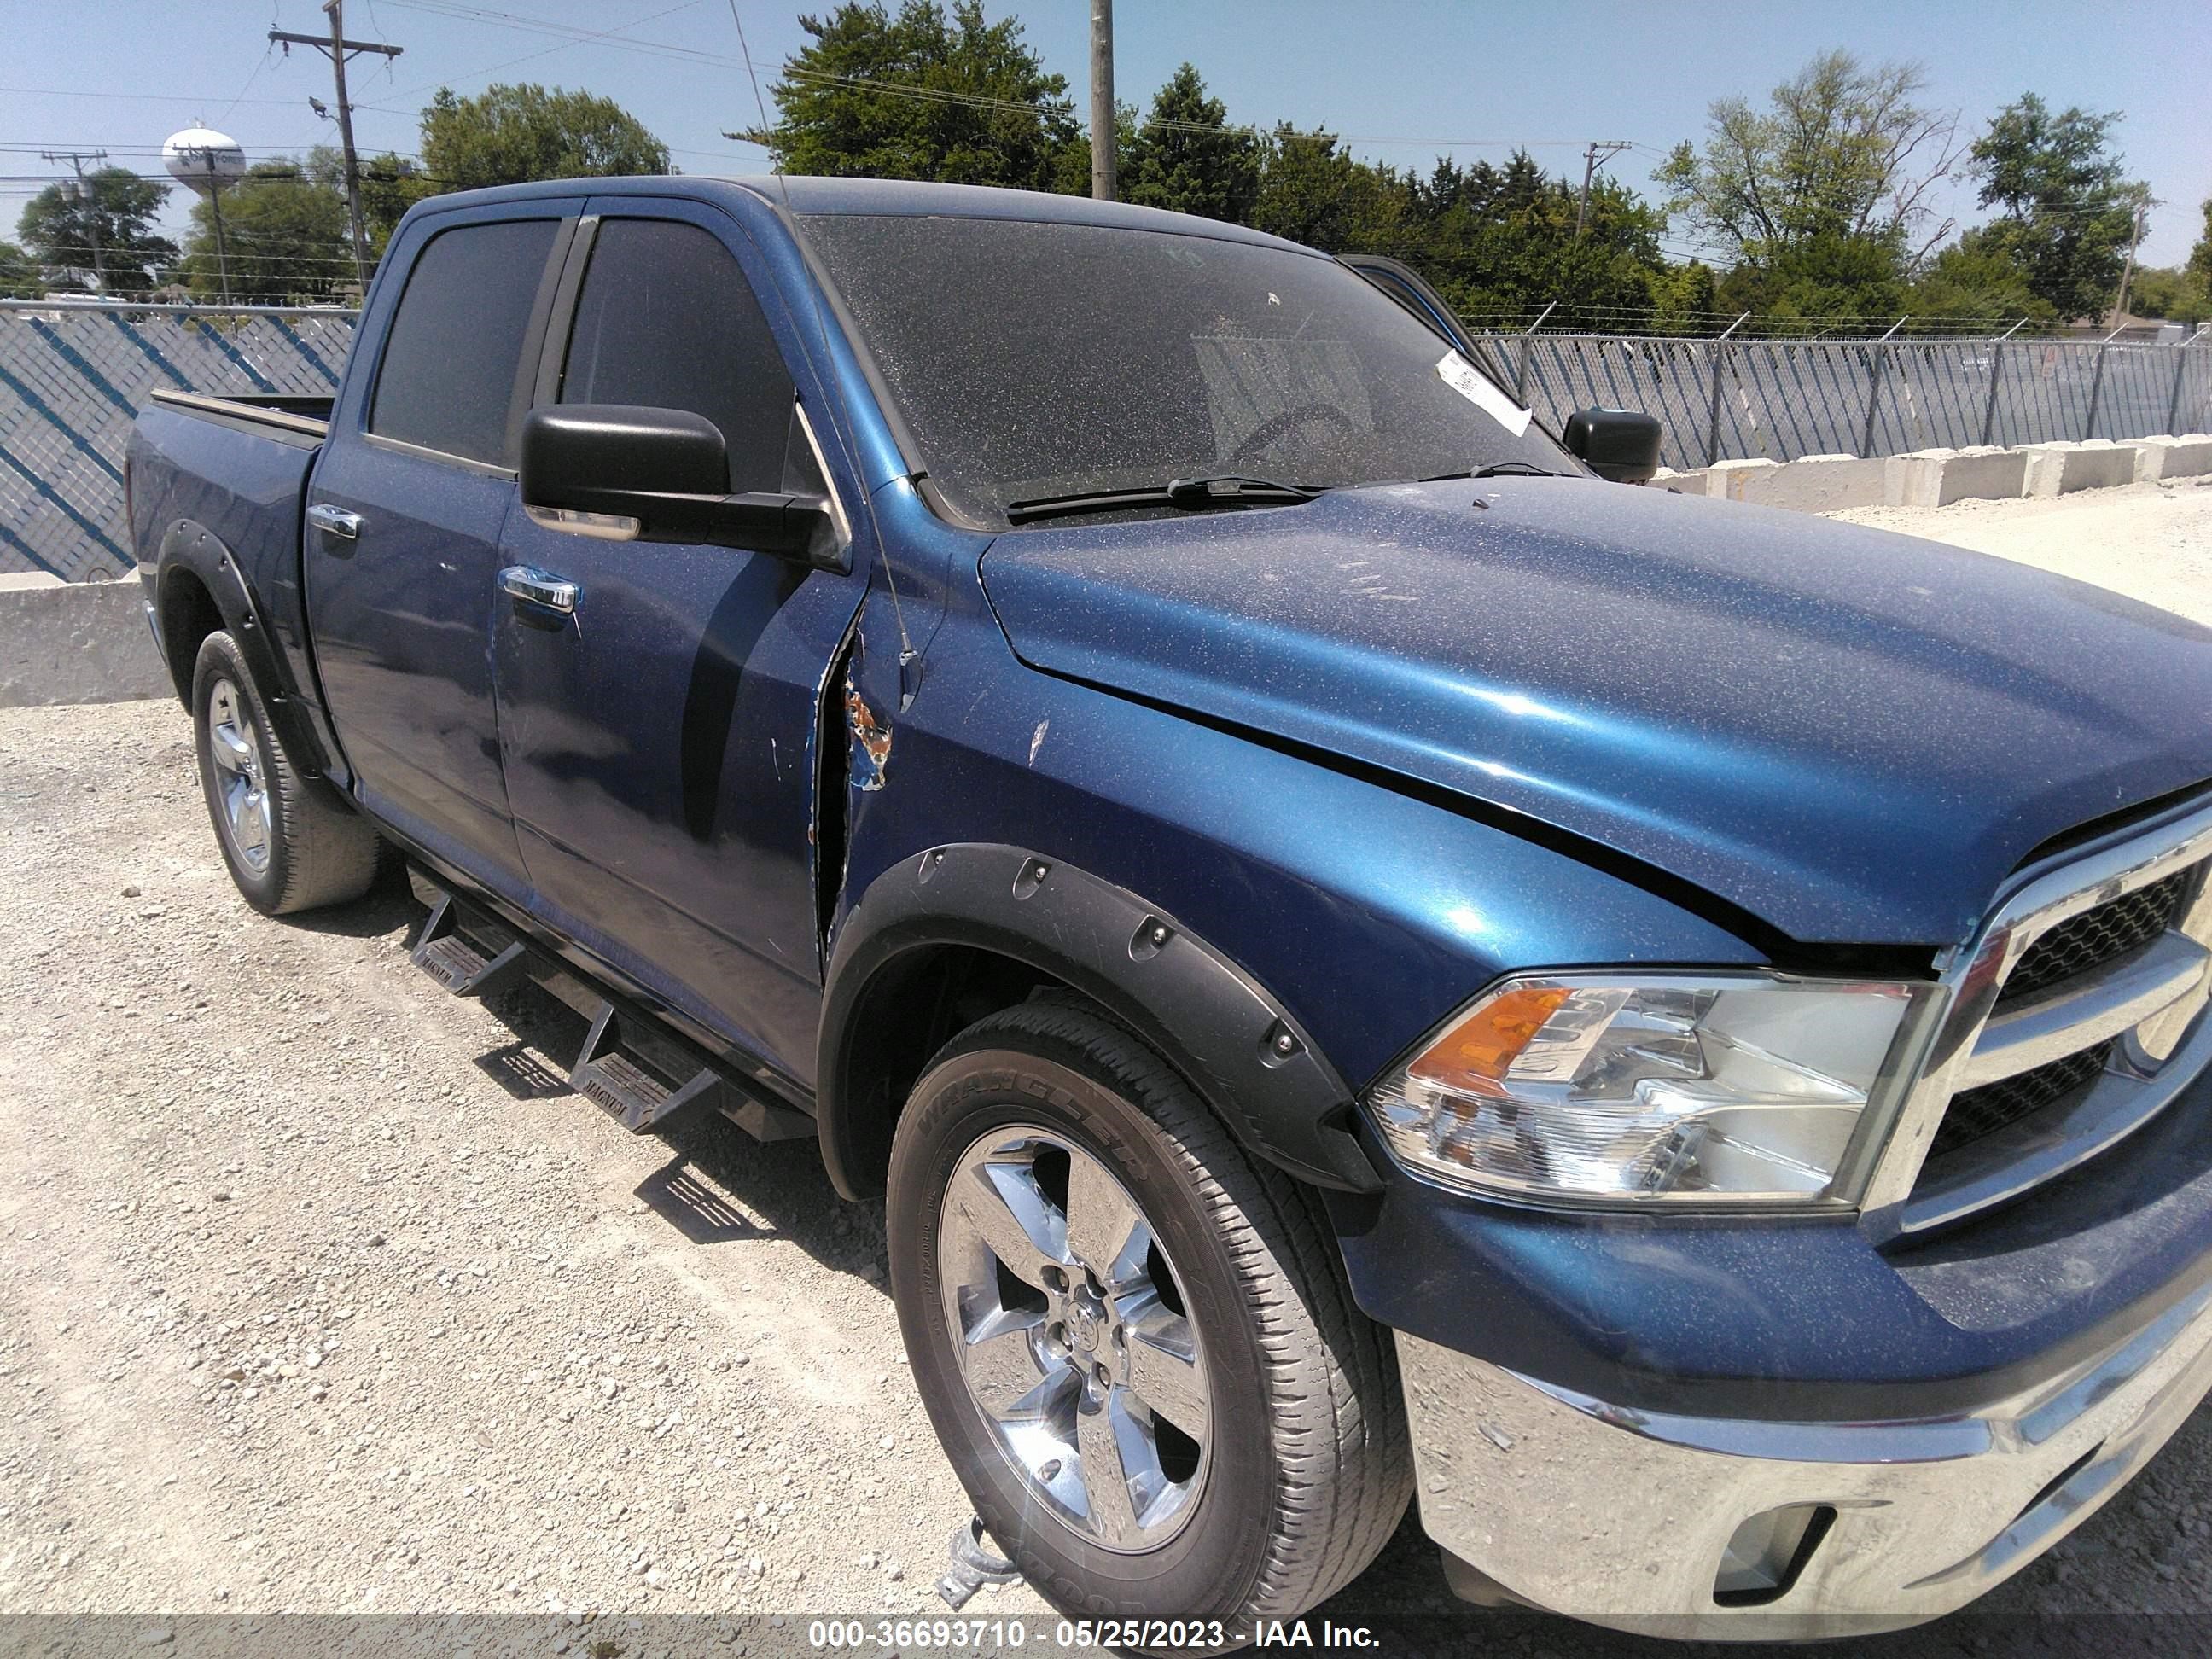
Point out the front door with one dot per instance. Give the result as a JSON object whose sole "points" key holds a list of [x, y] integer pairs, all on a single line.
{"points": [[402, 540], [659, 739]]}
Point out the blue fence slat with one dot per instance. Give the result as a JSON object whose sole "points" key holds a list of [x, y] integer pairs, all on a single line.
{"points": [[76, 439], [72, 380]]}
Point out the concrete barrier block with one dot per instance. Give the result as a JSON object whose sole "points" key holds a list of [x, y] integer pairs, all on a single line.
{"points": [[1693, 483], [1914, 479], [76, 643], [2186, 457], [1818, 483], [1982, 474], [1730, 480], [1936, 478], [2062, 468]]}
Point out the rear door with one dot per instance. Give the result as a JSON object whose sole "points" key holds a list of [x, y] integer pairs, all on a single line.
{"points": [[659, 740], [404, 514]]}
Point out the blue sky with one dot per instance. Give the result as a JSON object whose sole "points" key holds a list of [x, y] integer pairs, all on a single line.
{"points": [[1404, 80]]}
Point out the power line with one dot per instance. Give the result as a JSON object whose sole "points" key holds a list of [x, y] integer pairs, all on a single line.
{"points": [[531, 57], [199, 100]]}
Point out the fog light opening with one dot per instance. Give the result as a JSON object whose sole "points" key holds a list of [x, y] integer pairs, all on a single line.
{"points": [[1764, 1558], [2052, 1486]]}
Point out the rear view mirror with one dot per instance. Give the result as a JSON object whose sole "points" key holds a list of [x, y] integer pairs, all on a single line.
{"points": [[1619, 443], [627, 473]]}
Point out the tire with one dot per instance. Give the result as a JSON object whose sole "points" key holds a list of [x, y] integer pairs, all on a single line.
{"points": [[1291, 1457], [291, 842]]}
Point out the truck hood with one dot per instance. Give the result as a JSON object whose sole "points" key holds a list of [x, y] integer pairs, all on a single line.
{"points": [[1856, 736]]}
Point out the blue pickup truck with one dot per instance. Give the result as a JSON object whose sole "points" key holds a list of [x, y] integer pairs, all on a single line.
{"points": [[1364, 954]]}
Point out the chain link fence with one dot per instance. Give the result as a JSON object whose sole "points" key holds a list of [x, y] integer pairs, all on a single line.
{"points": [[74, 376], [1784, 400]]}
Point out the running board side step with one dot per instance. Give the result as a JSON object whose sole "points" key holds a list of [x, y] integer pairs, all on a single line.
{"points": [[631, 1066], [607, 1073], [459, 962], [626, 1067]]}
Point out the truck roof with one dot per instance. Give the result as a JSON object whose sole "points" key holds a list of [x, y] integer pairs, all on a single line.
{"points": [[895, 198]]}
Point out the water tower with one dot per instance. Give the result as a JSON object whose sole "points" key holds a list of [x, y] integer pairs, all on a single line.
{"points": [[204, 160]]}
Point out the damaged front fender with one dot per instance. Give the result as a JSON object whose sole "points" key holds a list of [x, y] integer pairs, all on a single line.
{"points": [[871, 740]]}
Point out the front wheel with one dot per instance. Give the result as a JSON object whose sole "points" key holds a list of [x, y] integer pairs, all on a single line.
{"points": [[1135, 1345]]}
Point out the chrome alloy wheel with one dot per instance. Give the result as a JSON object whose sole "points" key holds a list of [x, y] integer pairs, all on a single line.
{"points": [[241, 783], [1071, 1337]]}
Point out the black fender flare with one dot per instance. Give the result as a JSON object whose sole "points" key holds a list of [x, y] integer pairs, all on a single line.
{"points": [[1235, 1042], [188, 547]]}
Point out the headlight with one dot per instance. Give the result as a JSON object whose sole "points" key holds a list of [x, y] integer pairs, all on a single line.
{"points": [[1652, 1088]]}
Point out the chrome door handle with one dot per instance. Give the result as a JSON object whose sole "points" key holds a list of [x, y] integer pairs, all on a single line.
{"points": [[540, 587], [334, 520]]}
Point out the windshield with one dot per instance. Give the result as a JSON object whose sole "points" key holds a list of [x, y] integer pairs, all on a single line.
{"points": [[1035, 360]]}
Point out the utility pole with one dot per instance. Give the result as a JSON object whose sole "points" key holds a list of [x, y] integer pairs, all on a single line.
{"points": [[1602, 150], [1103, 127], [338, 49], [2128, 271], [214, 212], [91, 204]]}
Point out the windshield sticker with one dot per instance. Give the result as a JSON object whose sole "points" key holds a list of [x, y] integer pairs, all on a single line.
{"points": [[1462, 377]]}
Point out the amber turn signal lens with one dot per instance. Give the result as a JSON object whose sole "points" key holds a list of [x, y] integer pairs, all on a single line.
{"points": [[1475, 1054]]}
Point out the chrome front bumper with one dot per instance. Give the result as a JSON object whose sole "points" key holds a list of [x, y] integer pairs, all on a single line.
{"points": [[1623, 1517]]}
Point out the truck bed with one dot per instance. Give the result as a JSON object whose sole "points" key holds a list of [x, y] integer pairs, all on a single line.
{"points": [[234, 470]]}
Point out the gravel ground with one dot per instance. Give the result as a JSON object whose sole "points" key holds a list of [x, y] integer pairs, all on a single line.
{"points": [[320, 1293]]}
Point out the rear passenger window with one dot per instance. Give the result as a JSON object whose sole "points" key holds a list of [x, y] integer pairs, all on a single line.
{"points": [[448, 380], [667, 321]]}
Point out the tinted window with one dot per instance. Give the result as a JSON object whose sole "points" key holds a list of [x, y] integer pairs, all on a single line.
{"points": [[1034, 360], [449, 365], [666, 319]]}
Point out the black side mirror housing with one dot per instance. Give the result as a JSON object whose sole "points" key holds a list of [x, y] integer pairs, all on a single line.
{"points": [[629, 473], [1619, 443]]}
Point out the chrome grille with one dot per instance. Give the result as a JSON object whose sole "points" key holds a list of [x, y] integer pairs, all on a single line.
{"points": [[2076, 1016], [1974, 1112], [2097, 937]]}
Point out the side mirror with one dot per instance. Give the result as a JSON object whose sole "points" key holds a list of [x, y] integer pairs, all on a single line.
{"points": [[627, 473], [1619, 443]]}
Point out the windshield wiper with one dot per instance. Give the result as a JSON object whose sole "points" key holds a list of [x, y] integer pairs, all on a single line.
{"points": [[1515, 470], [1497, 470], [1191, 494]]}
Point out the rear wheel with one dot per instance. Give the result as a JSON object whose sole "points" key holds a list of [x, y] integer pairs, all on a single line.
{"points": [[290, 842], [1135, 1343]]}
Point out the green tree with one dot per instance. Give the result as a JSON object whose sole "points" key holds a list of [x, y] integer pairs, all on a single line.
{"points": [[389, 185], [1499, 242], [2067, 209], [1313, 190], [884, 96], [113, 209], [284, 237], [510, 135], [1813, 283], [1842, 150], [2200, 257], [1976, 284], [2173, 294], [1684, 298], [20, 278], [1822, 198], [1185, 157]]}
